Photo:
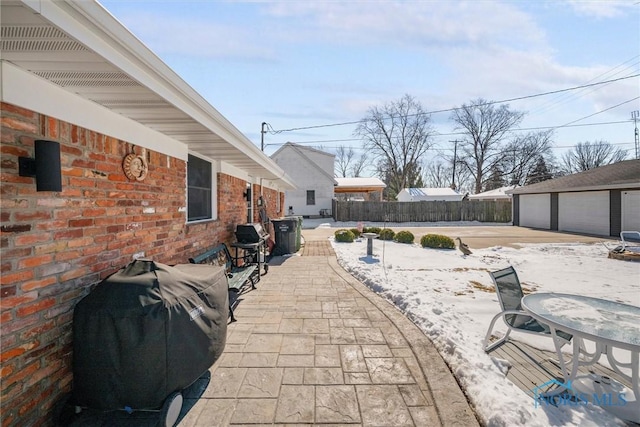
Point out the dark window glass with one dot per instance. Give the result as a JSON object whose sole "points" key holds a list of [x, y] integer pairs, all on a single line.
{"points": [[311, 197], [199, 189]]}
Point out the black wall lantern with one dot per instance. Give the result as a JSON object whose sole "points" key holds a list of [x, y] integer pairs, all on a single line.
{"points": [[45, 166]]}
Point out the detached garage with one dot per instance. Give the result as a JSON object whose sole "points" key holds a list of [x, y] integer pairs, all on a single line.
{"points": [[602, 201], [535, 210]]}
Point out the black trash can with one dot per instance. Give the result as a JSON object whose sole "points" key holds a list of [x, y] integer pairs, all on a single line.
{"points": [[285, 235]]}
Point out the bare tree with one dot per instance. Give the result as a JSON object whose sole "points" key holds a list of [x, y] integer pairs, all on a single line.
{"points": [[485, 126], [348, 164], [438, 175], [359, 164], [398, 135], [344, 157], [522, 154], [590, 155]]}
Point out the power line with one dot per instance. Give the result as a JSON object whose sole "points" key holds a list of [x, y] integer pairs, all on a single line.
{"points": [[566, 97], [356, 148], [273, 132], [601, 111], [320, 141]]}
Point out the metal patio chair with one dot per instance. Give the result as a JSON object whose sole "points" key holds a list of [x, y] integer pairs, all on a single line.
{"points": [[509, 292], [630, 239]]}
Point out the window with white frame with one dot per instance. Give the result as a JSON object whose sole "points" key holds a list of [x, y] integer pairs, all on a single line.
{"points": [[201, 189], [311, 197]]}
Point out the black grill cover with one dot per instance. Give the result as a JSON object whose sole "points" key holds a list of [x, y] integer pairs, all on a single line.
{"points": [[147, 331]]}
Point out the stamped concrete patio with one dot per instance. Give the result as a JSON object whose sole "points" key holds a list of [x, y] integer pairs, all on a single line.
{"points": [[312, 345]]}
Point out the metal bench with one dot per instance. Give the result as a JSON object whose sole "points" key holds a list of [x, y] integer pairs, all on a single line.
{"points": [[238, 276]]}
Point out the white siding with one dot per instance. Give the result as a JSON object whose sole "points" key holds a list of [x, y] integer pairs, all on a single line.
{"points": [[325, 161], [403, 196], [586, 212], [631, 211], [535, 210], [306, 176]]}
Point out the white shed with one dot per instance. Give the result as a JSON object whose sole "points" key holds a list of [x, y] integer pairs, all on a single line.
{"points": [[429, 195], [496, 194]]}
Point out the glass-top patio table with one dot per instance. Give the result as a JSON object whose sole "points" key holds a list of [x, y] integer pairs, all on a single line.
{"points": [[609, 325]]}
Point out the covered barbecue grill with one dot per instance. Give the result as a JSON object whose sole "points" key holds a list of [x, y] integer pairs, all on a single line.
{"points": [[252, 239], [251, 233], [147, 332]]}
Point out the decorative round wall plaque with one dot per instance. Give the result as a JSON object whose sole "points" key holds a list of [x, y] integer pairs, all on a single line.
{"points": [[135, 167]]}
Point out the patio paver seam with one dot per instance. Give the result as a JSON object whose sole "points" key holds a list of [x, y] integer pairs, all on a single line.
{"points": [[453, 411], [324, 351]]}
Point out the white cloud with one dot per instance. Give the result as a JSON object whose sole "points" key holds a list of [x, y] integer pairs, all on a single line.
{"points": [[448, 53], [273, 27], [418, 24], [197, 37], [497, 74], [602, 8]]}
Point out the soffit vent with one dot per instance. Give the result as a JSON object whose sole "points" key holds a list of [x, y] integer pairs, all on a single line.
{"points": [[37, 39], [88, 79], [128, 103]]}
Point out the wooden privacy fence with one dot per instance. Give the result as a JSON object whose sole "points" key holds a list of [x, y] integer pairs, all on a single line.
{"points": [[467, 210]]}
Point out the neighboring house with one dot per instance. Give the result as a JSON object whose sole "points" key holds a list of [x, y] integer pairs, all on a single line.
{"points": [[602, 201], [429, 195], [360, 188], [312, 171], [146, 167], [496, 194]]}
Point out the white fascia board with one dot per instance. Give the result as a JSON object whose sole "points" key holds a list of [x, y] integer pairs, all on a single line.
{"points": [[267, 183], [623, 186], [227, 169], [602, 187], [231, 170], [49, 99], [104, 34], [355, 187]]}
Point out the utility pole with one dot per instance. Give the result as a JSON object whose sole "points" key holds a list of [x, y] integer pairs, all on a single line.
{"points": [[634, 116], [262, 132], [455, 160]]}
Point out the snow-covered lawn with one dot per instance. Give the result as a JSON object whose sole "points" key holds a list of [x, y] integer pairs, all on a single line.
{"points": [[450, 297]]}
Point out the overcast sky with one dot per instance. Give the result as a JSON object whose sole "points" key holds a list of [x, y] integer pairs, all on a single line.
{"points": [[304, 63]]}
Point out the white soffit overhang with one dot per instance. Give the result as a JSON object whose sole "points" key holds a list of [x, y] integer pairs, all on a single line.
{"points": [[80, 47]]}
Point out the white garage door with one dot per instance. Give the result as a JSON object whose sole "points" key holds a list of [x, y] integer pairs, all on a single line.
{"points": [[535, 210], [631, 210], [586, 212]]}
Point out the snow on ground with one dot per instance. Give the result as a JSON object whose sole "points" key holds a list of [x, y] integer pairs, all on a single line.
{"points": [[449, 296]]}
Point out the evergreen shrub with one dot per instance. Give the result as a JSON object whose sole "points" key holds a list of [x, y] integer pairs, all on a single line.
{"points": [[344, 235], [404, 237], [437, 241], [375, 230], [386, 234]]}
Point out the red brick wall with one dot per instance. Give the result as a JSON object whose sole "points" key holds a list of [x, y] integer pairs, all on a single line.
{"points": [[268, 203], [56, 245]]}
